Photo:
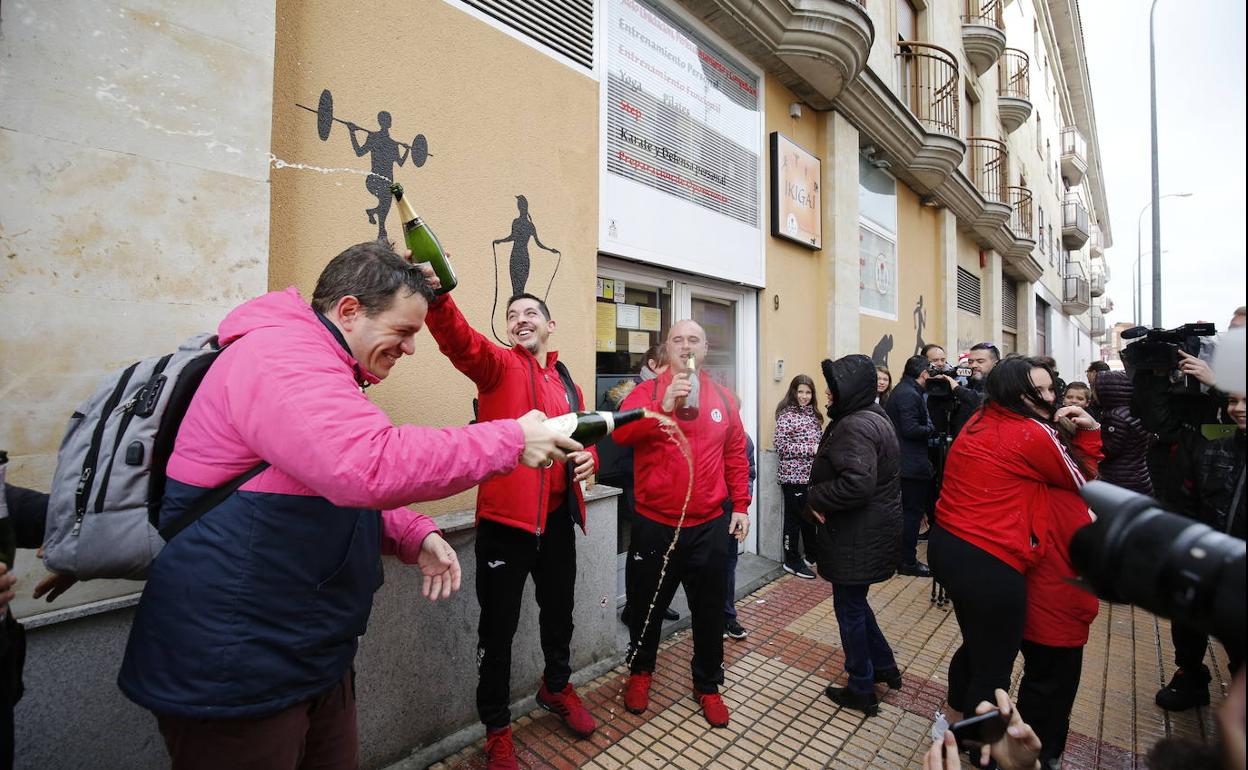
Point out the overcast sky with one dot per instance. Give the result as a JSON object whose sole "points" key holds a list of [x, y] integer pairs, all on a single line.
{"points": [[1200, 128]]}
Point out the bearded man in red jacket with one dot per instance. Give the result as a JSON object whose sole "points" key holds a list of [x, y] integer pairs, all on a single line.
{"points": [[698, 560], [526, 519]]}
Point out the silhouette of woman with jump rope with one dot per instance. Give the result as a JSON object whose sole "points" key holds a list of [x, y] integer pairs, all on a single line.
{"points": [[522, 228]]}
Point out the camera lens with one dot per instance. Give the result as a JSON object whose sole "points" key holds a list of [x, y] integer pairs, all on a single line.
{"points": [[1135, 552]]}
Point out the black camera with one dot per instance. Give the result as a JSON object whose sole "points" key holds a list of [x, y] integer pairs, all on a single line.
{"points": [[1171, 565], [1157, 350], [936, 384]]}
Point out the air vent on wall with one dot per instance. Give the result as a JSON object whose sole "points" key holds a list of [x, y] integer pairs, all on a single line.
{"points": [[968, 291], [564, 26], [1009, 303]]}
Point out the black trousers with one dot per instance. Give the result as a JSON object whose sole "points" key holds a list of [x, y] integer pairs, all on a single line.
{"points": [[990, 601], [1047, 693], [506, 556], [795, 526], [1190, 645], [698, 563], [916, 497]]}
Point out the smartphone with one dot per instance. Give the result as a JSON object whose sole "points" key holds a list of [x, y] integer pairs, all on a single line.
{"points": [[980, 729]]}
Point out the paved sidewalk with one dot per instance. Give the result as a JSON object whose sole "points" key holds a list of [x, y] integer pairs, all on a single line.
{"points": [[780, 717]]}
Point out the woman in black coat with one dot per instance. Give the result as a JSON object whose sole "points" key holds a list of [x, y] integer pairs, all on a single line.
{"points": [[855, 496], [1124, 439]]}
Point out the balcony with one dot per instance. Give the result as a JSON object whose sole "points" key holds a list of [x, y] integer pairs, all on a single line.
{"points": [[1097, 323], [1098, 281], [814, 48], [1096, 242], [1076, 294], [1020, 218], [1013, 89], [987, 162], [927, 83], [1075, 229], [1074, 155], [983, 33]]}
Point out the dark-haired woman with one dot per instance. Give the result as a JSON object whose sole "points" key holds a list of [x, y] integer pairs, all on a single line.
{"points": [[1010, 487], [883, 385], [799, 426]]}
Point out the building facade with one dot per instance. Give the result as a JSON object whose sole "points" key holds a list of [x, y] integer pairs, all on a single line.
{"points": [[805, 180]]}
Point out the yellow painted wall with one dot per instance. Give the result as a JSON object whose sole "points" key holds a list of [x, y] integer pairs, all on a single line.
{"points": [[501, 120], [918, 268], [795, 275]]}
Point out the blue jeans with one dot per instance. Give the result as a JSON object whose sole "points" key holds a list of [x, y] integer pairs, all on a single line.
{"points": [[866, 649]]}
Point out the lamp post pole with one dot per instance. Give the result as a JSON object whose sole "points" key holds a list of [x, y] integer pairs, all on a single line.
{"points": [[1139, 255], [1152, 79]]}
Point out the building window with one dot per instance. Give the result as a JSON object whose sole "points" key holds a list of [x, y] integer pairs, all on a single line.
{"points": [[1044, 238], [569, 32], [968, 291], [1048, 155], [1039, 134], [1009, 303], [877, 242], [1042, 327]]}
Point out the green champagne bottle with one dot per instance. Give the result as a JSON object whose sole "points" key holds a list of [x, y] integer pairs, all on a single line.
{"points": [[8, 536], [587, 428], [423, 243]]}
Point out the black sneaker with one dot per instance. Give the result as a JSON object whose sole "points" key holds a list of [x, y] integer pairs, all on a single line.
{"points": [[1187, 688], [918, 569], [799, 569], [734, 630], [890, 677], [867, 703]]}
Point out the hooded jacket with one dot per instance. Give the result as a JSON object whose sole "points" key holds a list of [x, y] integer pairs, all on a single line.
{"points": [[660, 472], [855, 481], [258, 604], [511, 382], [1126, 441]]}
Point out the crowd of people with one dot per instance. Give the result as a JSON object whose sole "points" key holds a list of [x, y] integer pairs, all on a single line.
{"points": [[258, 673]]}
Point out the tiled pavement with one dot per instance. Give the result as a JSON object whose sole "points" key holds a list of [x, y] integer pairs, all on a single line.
{"points": [[780, 717]]}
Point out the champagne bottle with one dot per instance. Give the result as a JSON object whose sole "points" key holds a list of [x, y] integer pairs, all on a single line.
{"points": [[687, 406], [8, 536], [587, 428], [423, 243]]}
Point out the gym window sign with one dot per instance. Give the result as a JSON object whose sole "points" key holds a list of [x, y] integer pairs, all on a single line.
{"points": [[795, 193]]}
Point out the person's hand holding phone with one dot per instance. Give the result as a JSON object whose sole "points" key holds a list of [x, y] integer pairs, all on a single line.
{"points": [[1015, 748]]}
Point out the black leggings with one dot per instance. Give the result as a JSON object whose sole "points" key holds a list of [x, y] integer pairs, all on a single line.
{"points": [[990, 600], [1046, 696]]}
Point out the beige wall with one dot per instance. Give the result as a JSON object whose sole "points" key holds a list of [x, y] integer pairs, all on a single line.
{"points": [[918, 267], [972, 329], [501, 120], [796, 330]]}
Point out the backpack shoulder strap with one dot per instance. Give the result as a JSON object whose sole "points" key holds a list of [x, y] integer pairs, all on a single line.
{"points": [[574, 400], [210, 499]]}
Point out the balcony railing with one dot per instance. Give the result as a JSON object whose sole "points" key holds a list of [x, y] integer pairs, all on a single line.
{"points": [[987, 13], [1097, 322], [1075, 229], [1076, 293], [1098, 282], [1074, 155], [988, 158], [1020, 217], [1012, 80], [1096, 242], [927, 82]]}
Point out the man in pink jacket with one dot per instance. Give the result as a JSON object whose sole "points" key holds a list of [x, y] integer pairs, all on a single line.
{"points": [[243, 641]]}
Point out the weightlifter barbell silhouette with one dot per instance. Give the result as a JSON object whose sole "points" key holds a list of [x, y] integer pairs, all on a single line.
{"points": [[384, 153]]}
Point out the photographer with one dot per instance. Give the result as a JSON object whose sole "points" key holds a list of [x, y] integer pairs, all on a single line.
{"points": [[907, 408], [949, 403], [1212, 492]]}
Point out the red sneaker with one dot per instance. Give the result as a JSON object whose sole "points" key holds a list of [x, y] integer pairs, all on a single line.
{"points": [[566, 705], [713, 708], [637, 694], [500, 752]]}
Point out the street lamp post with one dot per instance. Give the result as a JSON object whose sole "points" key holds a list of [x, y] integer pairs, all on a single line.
{"points": [[1139, 253], [1152, 82]]}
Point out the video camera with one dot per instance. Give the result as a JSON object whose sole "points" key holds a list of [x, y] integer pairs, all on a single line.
{"points": [[938, 387], [1171, 565], [1157, 350]]}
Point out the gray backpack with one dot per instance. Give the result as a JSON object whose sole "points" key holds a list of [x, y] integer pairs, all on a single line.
{"points": [[104, 509]]}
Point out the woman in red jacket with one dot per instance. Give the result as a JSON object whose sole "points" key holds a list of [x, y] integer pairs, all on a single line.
{"points": [[1011, 482]]}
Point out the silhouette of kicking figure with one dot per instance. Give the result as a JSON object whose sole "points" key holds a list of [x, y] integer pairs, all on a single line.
{"points": [[385, 154], [522, 228]]}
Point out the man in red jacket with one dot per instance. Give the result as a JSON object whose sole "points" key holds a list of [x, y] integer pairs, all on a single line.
{"points": [[661, 472], [526, 518]]}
